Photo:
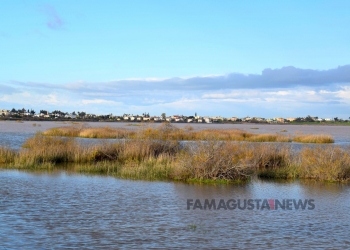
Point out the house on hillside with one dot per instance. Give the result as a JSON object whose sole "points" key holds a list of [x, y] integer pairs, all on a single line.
{"points": [[207, 119], [4, 112], [291, 119], [72, 116]]}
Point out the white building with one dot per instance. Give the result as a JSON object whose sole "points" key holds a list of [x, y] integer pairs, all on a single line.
{"points": [[4, 111]]}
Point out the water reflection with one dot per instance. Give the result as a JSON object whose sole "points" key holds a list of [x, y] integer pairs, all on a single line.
{"points": [[60, 209]]}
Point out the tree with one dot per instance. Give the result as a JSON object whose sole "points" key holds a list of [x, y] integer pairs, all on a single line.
{"points": [[163, 116], [309, 119]]}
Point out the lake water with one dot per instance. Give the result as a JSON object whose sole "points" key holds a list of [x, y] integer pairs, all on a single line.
{"points": [[13, 134], [60, 209]]}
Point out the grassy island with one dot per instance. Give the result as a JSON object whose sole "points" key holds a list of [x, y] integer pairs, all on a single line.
{"points": [[167, 131], [160, 154]]}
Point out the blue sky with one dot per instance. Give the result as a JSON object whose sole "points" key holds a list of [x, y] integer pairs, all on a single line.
{"points": [[230, 58]]}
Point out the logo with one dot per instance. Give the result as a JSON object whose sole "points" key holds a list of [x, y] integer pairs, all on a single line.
{"points": [[251, 204]]}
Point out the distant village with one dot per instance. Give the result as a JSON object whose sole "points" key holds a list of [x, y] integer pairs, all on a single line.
{"points": [[57, 115]]}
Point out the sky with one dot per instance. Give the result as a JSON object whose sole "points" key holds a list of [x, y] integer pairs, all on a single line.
{"points": [[228, 58]]}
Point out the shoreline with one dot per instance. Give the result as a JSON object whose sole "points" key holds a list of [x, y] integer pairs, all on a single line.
{"points": [[189, 123]]}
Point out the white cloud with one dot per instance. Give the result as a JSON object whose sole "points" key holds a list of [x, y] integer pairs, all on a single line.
{"points": [[230, 95], [100, 101]]}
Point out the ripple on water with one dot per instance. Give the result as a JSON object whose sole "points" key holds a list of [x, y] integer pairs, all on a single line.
{"points": [[64, 210]]}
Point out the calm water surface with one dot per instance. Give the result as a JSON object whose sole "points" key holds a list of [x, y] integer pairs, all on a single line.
{"points": [[13, 134], [59, 209]]}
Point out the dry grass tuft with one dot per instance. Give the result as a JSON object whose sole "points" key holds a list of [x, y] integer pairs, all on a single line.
{"points": [[72, 131], [7, 155], [210, 160], [153, 154], [313, 138], [166, 131], [43, 149], [105, 132], [160, 168], [268, 138], [229, 160], [325, 163]]}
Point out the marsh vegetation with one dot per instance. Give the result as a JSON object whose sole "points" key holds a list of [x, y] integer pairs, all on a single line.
{"points": [[168, 131], [158, 154]]}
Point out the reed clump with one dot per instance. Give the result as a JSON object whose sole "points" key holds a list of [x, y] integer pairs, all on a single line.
{"points": [[152, 168], [165, 131], [7, 155], [324, 163], [329, 163], [211, 160], [88, 132], [271, 156], [163, 158], [268, 138], [71, 131], [43, 149], [105, 132], [229, 160], [313, 138]]}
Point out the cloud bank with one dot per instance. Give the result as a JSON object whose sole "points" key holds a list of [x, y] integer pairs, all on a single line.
{"points": [[288, 91]]}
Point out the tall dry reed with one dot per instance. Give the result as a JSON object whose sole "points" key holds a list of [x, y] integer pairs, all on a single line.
{"points": [[146, 158], [313, 138], [324, 163], [7, 155], [166, 131]]}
